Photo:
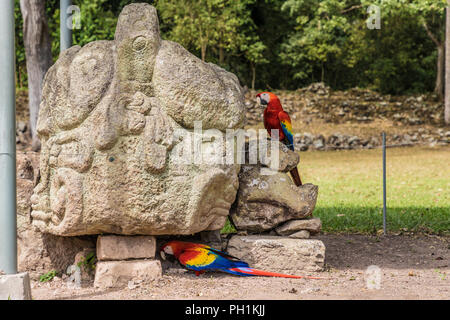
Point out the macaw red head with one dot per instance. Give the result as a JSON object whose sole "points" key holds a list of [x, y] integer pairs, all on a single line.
{"points": [[267, 98], [172, 248]]}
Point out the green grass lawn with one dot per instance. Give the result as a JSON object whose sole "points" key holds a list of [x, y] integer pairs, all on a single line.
{"points": [[351, 189]]}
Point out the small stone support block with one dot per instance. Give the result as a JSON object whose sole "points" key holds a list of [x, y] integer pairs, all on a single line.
{"points": [[15, 287], [279, 254], [117, 274], [112, 247]]}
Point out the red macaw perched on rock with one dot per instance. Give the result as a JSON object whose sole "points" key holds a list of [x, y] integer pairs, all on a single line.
{"points": [[201, 258], [276, 118]]}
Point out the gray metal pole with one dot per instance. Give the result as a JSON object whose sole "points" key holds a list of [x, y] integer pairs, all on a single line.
{"points": [[384, 183], [8, 224], [65, 32]]}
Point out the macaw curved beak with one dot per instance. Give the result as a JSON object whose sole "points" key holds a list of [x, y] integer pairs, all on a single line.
{"points": [[166, 253], [168, 257], [260, 100]]}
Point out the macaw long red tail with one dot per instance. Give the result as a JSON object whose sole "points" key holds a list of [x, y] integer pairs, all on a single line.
{"points": [[296, 177], [255, 272]]}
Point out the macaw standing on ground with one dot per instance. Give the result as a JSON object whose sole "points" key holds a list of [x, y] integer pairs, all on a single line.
{"points": [[276, 118], [201, 258]]}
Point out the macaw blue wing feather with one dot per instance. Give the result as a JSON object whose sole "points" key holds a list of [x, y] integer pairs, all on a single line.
{"points": [[286, 126]]}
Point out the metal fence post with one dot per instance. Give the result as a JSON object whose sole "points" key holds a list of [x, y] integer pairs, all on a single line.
{"points": [[384, 182], [64, 31], [8, 223]]}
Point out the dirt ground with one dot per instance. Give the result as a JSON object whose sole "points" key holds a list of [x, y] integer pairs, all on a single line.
{"points": [[411, 267]]}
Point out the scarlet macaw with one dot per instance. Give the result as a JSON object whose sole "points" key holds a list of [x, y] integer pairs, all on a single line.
{"points": [[201, 258], [276, 118]]}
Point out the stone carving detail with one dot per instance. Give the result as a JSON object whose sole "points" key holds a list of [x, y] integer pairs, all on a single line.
{"points": [[107, 122]]}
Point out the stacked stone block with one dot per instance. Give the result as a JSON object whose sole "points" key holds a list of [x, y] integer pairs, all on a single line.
{"points": [[122, 259]]}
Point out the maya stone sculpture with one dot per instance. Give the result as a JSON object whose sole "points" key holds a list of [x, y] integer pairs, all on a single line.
{"points": [[116, 118], [107, 124]]}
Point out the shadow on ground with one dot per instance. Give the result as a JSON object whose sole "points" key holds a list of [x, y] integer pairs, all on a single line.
{"points": [[344, 251]]}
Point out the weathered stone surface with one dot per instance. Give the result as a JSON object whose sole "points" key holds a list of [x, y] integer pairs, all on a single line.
{"points": [[184, 84], [115, 125], [39, 253], [125, 247], [279, 254], [24, 192], [312, 225], [86, 261], [265, 201], [117, 274], [210, 236], [267, 195], [25, 174], [15, 287], [302, 234], [284, 161]]}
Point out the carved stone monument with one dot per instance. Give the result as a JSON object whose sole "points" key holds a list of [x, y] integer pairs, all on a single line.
{"points": [[111, 121], [117, 122]]}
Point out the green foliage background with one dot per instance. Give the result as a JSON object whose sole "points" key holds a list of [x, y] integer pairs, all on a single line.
{"points": [[283, 44]]}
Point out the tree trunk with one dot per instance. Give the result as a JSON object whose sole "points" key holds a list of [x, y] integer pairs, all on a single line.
{"points": [[447, 66], [221, 55], [440, 74], [38, 55], [253, 75], [203, 52], [323, 73]]}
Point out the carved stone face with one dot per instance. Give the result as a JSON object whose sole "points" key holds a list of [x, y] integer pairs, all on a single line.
{"points": [[107, 123]]}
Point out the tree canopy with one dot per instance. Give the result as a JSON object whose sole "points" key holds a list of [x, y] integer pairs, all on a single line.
{"points": [[276, 44]]}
